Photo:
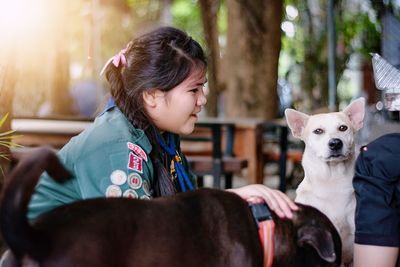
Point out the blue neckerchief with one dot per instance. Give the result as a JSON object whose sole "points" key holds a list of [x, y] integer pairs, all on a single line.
{"points": [[170, 149]]}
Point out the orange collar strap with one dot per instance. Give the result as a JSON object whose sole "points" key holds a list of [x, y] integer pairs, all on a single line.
{"points": [[266, 230]]}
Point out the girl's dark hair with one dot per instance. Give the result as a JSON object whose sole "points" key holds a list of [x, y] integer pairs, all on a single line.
{"points": [[160, 59]]}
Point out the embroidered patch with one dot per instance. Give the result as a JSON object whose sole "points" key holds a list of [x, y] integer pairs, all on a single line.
{"points": [[135, 180], [118, 177], [113, 191], [146, 188], [137, 150], [135, 163], [130, 193]]}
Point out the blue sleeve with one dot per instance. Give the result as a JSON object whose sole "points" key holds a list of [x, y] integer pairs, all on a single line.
{"points": [[376, 184]]}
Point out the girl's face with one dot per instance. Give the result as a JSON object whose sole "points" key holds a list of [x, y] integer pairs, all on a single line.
{"points": [[177, 110]]}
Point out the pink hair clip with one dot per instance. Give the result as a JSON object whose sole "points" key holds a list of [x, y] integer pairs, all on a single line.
{"points": [[116, 60]]}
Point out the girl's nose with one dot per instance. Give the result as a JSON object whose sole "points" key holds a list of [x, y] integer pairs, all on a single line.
{"points": [[201, 99]]}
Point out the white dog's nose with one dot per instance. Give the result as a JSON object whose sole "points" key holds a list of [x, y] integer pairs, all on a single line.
{"points": [[335, 144]]}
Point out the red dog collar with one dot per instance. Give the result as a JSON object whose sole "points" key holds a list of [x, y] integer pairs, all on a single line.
{"points": [[266, 231]]}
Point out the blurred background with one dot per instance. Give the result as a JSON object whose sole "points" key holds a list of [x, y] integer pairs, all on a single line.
{"points": [[264, 56]]}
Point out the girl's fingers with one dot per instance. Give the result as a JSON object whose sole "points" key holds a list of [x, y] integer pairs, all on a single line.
{"points": [[277, 201], [280, 203], [291, 204], [281, 207]]}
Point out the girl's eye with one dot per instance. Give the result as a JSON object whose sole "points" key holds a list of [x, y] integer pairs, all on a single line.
{"points": [[318, 131], [343, 128], [197, 89]]}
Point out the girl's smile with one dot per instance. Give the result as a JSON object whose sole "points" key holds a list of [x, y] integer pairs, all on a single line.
{"points": [[177, 110]]}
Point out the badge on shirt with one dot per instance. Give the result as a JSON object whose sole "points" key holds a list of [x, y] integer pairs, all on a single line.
{"points": [[113, 191], [118, 177], [137, 150], [135, 180], [130, 193], [146, 188], [135, 163]]}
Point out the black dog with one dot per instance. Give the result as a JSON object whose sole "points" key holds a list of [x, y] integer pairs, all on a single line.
{"points": [[201, 228]]}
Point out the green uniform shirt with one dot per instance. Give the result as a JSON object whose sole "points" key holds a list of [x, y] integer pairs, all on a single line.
{"points": [[108, 159]]}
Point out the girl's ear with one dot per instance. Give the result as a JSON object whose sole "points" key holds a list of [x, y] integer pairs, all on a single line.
{"points": [[150, 97]]}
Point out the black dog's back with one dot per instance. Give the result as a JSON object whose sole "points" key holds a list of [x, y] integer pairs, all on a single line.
{"points": [[201, 228], [173, 231]]}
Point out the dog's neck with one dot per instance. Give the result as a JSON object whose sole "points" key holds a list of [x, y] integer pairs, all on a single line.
{"points": [[339, 171]]}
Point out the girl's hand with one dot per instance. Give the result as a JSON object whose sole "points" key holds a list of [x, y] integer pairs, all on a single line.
{"points": [[277, 201]]}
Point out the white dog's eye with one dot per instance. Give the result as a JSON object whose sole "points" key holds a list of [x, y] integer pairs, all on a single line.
{"points": [[343, 128], [318, 131]]}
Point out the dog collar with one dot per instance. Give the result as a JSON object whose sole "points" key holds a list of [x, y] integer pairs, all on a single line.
{"points": [[266, 230]]}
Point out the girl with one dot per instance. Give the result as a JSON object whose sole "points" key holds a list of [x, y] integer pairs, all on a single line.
{"points": [[132, 148]]}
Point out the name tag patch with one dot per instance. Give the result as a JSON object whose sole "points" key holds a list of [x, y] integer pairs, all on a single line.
{"points": [[135, 163]]}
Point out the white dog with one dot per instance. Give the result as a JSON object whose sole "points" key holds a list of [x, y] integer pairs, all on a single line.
{"points": [[328, 163]]}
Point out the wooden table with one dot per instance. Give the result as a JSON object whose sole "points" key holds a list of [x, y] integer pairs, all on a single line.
{"points": [[248, 137], [41, 131]]}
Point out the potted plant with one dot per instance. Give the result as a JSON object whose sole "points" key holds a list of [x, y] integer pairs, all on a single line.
{"points": [[6, 143]]}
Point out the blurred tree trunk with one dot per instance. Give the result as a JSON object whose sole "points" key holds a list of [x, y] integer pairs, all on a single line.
{"points": [[165, 12], [209, 10], [251, 60], [314, 71], [60, 98]]}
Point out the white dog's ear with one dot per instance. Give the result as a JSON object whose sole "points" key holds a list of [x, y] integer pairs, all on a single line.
{"points": [[355, 111], [296, 121]]}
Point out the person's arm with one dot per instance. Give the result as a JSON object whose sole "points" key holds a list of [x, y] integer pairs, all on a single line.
{"points": [[372, 256], [277, 201], [50, 194], [377, 220]]}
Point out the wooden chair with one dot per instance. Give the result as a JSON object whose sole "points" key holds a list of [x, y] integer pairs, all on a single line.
{"points": [[212, 156]]}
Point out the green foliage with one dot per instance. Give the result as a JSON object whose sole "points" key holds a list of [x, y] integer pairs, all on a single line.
{"points": [[222, 18], [305, 55], [360, 27], [186, 15]]}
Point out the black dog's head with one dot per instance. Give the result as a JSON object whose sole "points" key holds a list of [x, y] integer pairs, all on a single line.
{"points": [[310, 238]]}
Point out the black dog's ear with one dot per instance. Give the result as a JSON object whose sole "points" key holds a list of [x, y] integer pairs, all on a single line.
{"points": [[320, 239]]}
